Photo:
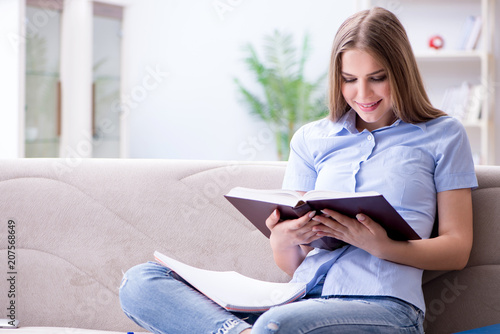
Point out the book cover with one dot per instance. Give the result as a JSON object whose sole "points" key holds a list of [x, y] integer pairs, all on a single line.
{"points": [[233, 291], [474, 103], [371, 204], [467, 28], [474, 35]]}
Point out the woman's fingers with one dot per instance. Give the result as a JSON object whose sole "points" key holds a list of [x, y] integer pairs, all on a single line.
{"points": [[328, 222], [302, 222], [295, 224], [273, 219], [292, 232]]}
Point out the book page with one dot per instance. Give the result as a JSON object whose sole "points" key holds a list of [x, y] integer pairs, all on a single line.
{"points": [[326, 194], [278, 196], [232, 290]]}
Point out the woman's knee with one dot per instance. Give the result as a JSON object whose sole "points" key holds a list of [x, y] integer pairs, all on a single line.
{"points": [[140, 273], [135, 281], [272, 321]]}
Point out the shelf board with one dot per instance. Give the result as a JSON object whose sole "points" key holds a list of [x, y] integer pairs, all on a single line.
{"points": [[440, 55], [473, 124], [42, 74], [42, 141]]}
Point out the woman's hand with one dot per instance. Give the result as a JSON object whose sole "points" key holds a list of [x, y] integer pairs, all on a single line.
{"points": [[291, 233], [361, 232], [287, 239]]}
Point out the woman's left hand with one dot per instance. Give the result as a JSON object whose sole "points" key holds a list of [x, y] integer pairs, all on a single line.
{"points": [[361, 232]]}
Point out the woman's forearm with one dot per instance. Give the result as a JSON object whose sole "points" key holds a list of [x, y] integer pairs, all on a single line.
{"points": [[289, 259], [451, 249], [440, 253], [287, 239]]}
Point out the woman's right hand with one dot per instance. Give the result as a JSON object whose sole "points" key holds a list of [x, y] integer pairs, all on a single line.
{"points": [[291, 233], [288, 238]]}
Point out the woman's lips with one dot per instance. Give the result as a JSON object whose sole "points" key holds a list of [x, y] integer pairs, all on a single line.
{"points": [[368, 106]]}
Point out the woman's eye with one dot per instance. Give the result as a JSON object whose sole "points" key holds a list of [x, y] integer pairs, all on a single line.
{"points": [[373, 79], [379, 79]]}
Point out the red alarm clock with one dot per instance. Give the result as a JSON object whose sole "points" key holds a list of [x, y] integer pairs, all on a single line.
{"points": [[436, 42]]}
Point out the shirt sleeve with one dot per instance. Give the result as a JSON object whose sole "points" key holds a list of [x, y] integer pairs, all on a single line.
{"points": [[454, 163], [300, 173]]}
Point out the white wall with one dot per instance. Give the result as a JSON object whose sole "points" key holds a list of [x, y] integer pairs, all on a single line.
{"points": [[12, 78], [194, 111]]}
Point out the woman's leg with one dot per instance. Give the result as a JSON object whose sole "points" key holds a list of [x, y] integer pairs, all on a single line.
{"points": [[342, 315], [159, 300]]}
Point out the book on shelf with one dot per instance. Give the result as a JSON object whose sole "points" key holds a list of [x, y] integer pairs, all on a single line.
{"points": [[257, 204], [234, 291], [463, 102], [471, 33], [474, 103]]}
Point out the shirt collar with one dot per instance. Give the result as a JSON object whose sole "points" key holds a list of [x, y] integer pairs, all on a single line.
{"points": [[422, 126], [348, 122]]}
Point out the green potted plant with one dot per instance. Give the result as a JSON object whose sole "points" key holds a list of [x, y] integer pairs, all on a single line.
{"points": [[288, 100]]}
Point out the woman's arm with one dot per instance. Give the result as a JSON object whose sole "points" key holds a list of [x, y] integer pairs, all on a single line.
{"points": [[450, 250], [287, 239]]}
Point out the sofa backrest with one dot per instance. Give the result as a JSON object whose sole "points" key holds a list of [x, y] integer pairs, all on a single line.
{"points": [[80, 223], [470, 298]]}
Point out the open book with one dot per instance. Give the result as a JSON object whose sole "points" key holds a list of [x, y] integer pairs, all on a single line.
{"points": [[257, 204], [233, 291]]}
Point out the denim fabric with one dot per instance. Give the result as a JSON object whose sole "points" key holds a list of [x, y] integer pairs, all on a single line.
{"points": [[347, 314], [160, 301]]}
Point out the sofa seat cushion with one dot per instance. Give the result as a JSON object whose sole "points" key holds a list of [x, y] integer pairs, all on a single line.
{"points": [[58, 330]]}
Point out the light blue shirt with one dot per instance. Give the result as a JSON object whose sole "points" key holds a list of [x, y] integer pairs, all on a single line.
{"points": [[407, 163]]}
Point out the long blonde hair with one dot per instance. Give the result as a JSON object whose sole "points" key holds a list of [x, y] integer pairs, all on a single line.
{"points": [[379, 32]]}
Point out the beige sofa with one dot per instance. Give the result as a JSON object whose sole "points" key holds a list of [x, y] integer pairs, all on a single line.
{"points": [[78, 224]]}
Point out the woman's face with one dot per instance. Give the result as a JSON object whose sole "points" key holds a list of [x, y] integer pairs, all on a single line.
{"points": [[366, 89]]}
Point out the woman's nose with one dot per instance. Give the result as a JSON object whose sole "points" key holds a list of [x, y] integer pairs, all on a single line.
{"points": [[364, 90]]}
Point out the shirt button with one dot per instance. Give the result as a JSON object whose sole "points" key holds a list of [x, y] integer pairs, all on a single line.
{"points": [[370, 137]]}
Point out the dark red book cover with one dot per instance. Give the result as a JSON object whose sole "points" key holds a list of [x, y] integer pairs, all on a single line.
{"points": [[376, 207]]}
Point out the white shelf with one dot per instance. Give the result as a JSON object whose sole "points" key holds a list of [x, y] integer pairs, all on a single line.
{"points": [[446, 68], [475, 124], [449, 55]]}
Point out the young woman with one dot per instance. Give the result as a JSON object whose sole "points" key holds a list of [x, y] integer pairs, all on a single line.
{"points": [[383, 135]]}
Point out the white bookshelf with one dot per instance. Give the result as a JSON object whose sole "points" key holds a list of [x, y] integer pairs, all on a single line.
{"points": [[449, 67]]}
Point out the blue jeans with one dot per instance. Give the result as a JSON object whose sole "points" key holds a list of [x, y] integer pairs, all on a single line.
{"points": [[160, 301]]}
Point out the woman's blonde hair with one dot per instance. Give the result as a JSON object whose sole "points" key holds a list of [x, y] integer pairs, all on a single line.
{"points": [[379, 32]]}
